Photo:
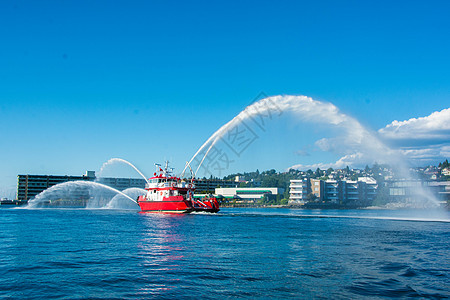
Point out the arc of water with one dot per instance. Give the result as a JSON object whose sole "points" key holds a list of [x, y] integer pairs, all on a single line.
{"points": [[213, 140], [306, 107], [77, 183], [357, 136], [112, 160], [204, 156], [114, 190]]}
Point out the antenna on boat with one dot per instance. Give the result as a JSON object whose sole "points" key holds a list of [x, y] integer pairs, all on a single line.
{"points": [[166, 169]]}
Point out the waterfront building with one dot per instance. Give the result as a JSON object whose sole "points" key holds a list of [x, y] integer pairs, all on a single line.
{"points": [[298, 191], [341, 192], [368, 188], [28, 186], [409, 190], [332, 191], [317, 188], [248, 195], [350, 190]]}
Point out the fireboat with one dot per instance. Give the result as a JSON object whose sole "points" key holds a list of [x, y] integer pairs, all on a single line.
{"points": [[167, 193]]}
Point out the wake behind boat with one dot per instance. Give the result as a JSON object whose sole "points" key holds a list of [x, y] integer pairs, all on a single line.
{"points": [[170, 194]]}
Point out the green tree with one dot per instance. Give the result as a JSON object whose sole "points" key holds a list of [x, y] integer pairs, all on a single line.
{"points": [[318, 173]]}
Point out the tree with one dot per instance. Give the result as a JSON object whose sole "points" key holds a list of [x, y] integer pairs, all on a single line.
{"points": [[318, 173], [311, 197]]}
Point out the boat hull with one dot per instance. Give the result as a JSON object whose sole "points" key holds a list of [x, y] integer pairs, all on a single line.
{"points": [[178, 205], [210, 206], [168, 206]]}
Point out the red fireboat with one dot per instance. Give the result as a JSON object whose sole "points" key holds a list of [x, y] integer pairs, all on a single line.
{"points": [[167, 193]]}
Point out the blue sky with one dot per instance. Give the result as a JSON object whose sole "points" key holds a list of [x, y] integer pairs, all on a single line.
{"points": [[85, 81]]}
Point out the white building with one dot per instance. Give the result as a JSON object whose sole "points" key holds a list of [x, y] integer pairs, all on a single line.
{"points": [[332, 189], [248, 194], [298, 190], [359, 192]]}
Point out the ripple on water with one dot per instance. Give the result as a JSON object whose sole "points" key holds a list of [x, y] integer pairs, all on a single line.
{"points": [[387, 288], [126, 255]]}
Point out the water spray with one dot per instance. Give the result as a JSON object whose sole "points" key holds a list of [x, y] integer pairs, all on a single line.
{"points": [[79, 183], [113, 160], [360, 139]]}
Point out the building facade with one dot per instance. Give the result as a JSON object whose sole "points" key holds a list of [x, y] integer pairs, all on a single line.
{"points": [[298, 191], [28, 186], [247, 195], [317, 188], [340, 192], [411, 190]]}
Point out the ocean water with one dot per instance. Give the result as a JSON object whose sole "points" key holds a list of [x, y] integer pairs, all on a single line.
{"points": [[237, 253]]}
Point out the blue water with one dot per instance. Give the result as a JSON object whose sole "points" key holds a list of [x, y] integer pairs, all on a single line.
{"points": [[238, 253]]}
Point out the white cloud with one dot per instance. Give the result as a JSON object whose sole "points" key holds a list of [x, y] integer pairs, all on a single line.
{"points": [[352, 160], [324, 144], [445, 151], [434, 128], [423, 140], [302, 153], [426, 155]]}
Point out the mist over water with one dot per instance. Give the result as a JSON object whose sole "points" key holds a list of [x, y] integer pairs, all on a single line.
{"points": [[88, 194], [77, 193], [121, 202]]}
